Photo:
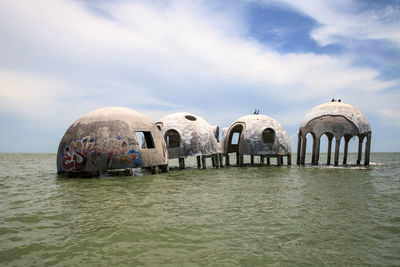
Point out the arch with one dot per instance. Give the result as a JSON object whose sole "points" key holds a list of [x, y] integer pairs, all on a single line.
{"points": [[172, 138], [328, 143]]}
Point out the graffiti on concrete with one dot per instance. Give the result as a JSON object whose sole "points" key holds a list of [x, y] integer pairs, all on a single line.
{"points": [[113, 153]]}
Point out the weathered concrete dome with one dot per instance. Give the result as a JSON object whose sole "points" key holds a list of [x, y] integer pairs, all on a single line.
{"points": [[256, 135], [334, 119], [189, 135], [335, 109], [111, 138]]}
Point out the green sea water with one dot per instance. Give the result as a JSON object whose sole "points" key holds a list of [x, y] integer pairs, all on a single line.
{"points": [[250, 216]]}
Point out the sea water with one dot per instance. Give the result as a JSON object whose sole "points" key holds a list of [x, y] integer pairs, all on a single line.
{"points": [[249, 216]]}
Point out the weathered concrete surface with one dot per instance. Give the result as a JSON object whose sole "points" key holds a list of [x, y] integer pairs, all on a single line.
{"points": [[189, 135], [106, 139], [334, 119], [251, 141]]}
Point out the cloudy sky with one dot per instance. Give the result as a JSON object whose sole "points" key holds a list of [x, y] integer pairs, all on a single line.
{"points": [[60, 59]]}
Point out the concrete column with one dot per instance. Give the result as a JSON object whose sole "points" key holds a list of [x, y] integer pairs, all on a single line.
{"points": [[216, 160], [213, 160], [367, 149], [298, 148], [227, 163], [262, 160], [221, 163], [203, 161], [154, 170], [241, 160], [289, 160], [328, 160], [317, 147], [346, 148], [237, 158], [181, 163], [198, 162], [337, 152], [268, 161], [314, 144], [278, 161], [252, 159], [303, 151], [360, 142]]}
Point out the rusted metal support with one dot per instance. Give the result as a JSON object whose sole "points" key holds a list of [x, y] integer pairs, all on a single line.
{"points": [[181, 163], [337, 147], [154, 170]]}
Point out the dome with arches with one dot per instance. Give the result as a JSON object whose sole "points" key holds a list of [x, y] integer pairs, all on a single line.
{"points": [[336, 120], [256, 135]]}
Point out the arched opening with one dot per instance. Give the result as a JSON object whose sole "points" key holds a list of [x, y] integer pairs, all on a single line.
{"points": [[326, 141], [234, 139], [268, 136], [172, 139], [310, 146]]}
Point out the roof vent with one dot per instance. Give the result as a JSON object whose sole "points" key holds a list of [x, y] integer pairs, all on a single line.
{"points": [[190, 117]]}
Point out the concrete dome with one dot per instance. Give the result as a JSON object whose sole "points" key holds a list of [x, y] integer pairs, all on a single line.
{"points": [[345, 110], [111, 138], [259, 135], [189, 135]]}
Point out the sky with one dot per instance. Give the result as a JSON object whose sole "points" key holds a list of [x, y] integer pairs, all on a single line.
{"points": [[217, 59]]}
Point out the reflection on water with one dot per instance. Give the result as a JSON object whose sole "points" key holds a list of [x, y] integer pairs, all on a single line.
{"points": [[294, 215]]}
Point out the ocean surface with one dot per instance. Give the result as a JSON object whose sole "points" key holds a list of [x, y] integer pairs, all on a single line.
{"points": [[250, 216]]}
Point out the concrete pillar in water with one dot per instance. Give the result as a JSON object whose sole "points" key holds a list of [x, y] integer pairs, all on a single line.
{"points": [[337, 146], [227, 160], [252, 159], [328, 160], [298, 148], [198, 162], [360, 142], [303, 151], [237, 158], [241, 160], [367, 149], [221, 163], [181, 163], [216, 159], [346, 148], [262, 160], [213, 163], [314, 144], [317, 148], [203, 161], [278, 161], [289, 160], [268, 161]]}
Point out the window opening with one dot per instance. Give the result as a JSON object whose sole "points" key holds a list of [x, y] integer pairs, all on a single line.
{"points": [[268, 136], [173, 139], [145, 140], [190, 117], [235, 138]]}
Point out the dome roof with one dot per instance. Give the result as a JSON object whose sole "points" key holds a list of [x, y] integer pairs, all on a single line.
{"points": [[255, 125], [197, 135], [348, 111]]}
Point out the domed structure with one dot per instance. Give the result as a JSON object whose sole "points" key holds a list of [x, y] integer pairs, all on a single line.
{"points": [[111, 138], [189, 135], [256, 135], [334, 119]]}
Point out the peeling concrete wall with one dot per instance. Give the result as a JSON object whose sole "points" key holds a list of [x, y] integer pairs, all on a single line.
{"points": [[197, 136], [106, 139]]}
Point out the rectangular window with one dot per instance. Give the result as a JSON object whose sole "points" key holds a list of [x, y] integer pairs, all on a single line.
{"points": [[145, 140], [235, 138]]}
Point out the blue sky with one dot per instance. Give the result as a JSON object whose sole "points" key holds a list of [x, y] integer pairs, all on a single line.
{"points": [[217, 59]]}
